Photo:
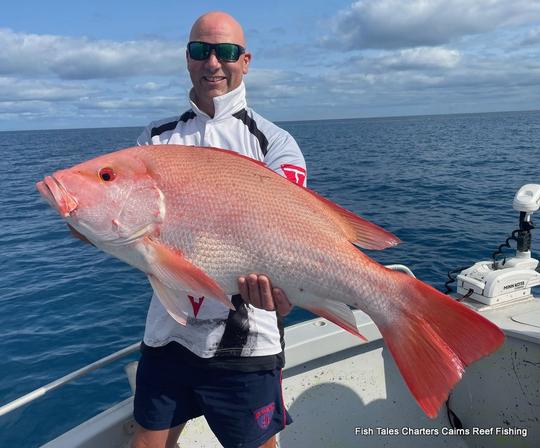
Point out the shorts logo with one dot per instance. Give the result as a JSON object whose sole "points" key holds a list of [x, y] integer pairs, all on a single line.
{"points": [[264, 415], [196, 303], [294, 173]]}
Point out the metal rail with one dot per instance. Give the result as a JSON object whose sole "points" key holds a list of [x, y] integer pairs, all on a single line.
{"points": [[21, 401], [400, 268]]}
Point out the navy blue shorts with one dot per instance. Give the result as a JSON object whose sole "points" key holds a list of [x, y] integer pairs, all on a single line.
{"points": [[243, 409]]}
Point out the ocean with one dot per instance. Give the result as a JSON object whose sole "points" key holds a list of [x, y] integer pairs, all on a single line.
{"points": [[444, 184]]}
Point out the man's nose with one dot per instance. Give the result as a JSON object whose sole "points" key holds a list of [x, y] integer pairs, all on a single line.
{"points": [[212, 60]]}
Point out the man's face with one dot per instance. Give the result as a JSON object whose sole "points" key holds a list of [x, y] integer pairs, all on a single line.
{"points": [[212, 77]]}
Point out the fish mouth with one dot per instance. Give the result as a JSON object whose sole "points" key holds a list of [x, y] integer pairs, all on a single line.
{"points": [[57, 196]]}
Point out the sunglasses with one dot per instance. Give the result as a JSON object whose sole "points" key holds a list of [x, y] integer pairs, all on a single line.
{"points": [[224, 52]]}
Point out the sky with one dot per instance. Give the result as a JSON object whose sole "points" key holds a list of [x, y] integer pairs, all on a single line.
{"points": [[66, 64]]}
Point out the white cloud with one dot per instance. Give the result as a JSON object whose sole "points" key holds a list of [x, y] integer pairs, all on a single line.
{"points": [[473, 78], [150, 86], [24, 108], [421, 59], [64, 78], [12, 89], [533, 37], [391, 24], [271, 83], [82, 58], [164, 103]]}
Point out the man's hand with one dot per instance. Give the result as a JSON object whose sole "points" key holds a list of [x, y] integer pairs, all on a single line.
{"points": [[257, 291]]}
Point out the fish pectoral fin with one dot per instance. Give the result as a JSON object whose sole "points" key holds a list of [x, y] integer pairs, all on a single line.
{"points": [[175, 305], [338, 313], [359, 231], [172, 269]]}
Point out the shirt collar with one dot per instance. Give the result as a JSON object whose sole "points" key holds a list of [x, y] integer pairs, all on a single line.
{"points": [[224, 105]]}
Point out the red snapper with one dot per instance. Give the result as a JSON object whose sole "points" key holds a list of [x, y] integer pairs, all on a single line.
{"points": [[195, 219]]}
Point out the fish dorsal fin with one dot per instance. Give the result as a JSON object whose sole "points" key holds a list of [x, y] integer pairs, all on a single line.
{"points": [[358, 231]]}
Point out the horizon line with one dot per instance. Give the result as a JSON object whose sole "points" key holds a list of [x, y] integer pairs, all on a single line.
{"points": [[291, 121]]}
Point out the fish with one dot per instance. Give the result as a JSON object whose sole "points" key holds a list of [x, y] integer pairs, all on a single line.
{"points": [[196, 219]]}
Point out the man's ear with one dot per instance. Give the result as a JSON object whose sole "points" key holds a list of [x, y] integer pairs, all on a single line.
{"points": [[247, 60]]}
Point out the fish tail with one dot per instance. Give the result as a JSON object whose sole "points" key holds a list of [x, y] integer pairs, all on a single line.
{"points": [[432, 338]]}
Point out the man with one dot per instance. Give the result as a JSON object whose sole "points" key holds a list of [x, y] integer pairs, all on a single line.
{"points": [[225, 365]]}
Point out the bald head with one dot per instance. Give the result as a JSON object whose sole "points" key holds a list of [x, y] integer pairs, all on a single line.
{"points": [[211, 76], [215, 27]]}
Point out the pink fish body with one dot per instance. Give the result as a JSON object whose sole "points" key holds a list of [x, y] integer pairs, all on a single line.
{"points": [[195, 219]]}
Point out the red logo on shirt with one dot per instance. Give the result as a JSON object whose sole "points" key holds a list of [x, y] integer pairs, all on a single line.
{"points": [[196, 304], [294, 173]]}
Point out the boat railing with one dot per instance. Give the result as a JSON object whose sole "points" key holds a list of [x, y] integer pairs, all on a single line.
{"points": [[39, 392], [400, 268]]}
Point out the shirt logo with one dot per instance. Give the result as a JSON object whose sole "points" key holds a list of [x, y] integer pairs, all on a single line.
{"points": [[196, 304], [294, 173], [264, 415]]}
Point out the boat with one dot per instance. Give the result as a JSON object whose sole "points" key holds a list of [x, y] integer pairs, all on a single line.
{"points": [[345, 392]]}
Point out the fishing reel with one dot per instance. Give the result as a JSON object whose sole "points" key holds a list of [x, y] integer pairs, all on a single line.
{"points": [[498, 281]]}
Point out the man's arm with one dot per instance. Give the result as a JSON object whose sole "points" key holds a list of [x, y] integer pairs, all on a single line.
{"points": [[144, 138]]}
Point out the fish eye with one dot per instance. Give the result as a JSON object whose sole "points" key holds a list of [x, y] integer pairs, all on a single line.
{"points": [[107, 174]]}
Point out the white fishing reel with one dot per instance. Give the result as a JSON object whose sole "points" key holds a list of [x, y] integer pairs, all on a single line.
{"points": [[499, 281]]}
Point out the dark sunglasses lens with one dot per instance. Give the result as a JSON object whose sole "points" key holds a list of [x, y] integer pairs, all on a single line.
{"points": [[198, 50], [227, 52], [224, 52]]}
